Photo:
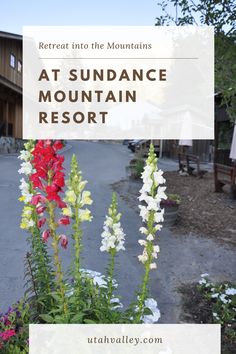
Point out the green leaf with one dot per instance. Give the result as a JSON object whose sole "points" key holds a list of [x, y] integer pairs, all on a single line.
{"points": [[56, 297], [77, 318], [47, 318], [88, 321]]}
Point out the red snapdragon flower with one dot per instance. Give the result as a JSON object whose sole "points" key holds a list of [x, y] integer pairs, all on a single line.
{"points": [[64, 220], [49, 177]]}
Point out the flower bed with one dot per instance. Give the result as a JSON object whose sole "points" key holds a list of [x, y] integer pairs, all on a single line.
{"points": [[206, 302], [83, 296]]}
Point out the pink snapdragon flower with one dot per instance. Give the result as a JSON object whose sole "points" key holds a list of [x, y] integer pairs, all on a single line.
{"points": [[7, 334], [64, 241], [45, 235], [41, 222]]}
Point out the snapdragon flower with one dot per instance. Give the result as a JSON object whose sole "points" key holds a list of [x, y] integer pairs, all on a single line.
{"points": [[77, 198], [26, 169], [27, 221], [25, 155], [151, 195], [113, 236], [26, 193], [151, 304], [48, 182]]}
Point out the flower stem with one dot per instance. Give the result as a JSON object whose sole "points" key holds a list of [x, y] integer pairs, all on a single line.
{"points": [[57, 261], [77, 244], [143, 294], [110, 275], [144, 285]]}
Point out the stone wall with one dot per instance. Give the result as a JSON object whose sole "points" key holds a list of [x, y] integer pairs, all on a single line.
{"points": [[10, 145]]}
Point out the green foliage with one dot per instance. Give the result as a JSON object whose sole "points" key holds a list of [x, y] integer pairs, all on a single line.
{"points": [[38, 276], [221, 301], [139, 166], [16, 319], [221, 15]]}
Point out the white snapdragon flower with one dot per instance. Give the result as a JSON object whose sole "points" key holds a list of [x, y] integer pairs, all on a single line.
{"points": [[146, 188], [153, 265], [31, 223], [152, 203], [156, 249], [142, 242], [25, 155], [108, 222], [151, 304], [143, 257], [26, 168], [150, 237], [152, 193], [25, 190], [158, 177], [143, 212], [161, 193], [113, 236], [159, 216], [143, 230], [147, 171]]}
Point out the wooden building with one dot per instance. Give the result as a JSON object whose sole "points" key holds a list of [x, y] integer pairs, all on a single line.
{"points": [[217, 150], [223, 134], [202, 148], [10, 85]]}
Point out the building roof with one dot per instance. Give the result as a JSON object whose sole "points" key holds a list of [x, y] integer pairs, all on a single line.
{"points": [[9, 35]]}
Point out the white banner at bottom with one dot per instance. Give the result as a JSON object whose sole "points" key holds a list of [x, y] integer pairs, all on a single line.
{"points": [[122, 339]]}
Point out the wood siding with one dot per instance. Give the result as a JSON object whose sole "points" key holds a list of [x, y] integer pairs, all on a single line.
{"points": [[8, 47], [10, 86]]}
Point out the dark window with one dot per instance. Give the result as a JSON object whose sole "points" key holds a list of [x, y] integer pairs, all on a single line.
{"points": [[12, 60]]}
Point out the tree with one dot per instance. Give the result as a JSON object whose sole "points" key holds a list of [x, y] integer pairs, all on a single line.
{"points": [[222, 15]]}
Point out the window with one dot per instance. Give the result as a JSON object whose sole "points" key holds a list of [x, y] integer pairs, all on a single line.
{"points": [[12, 61], [19, 66]]}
